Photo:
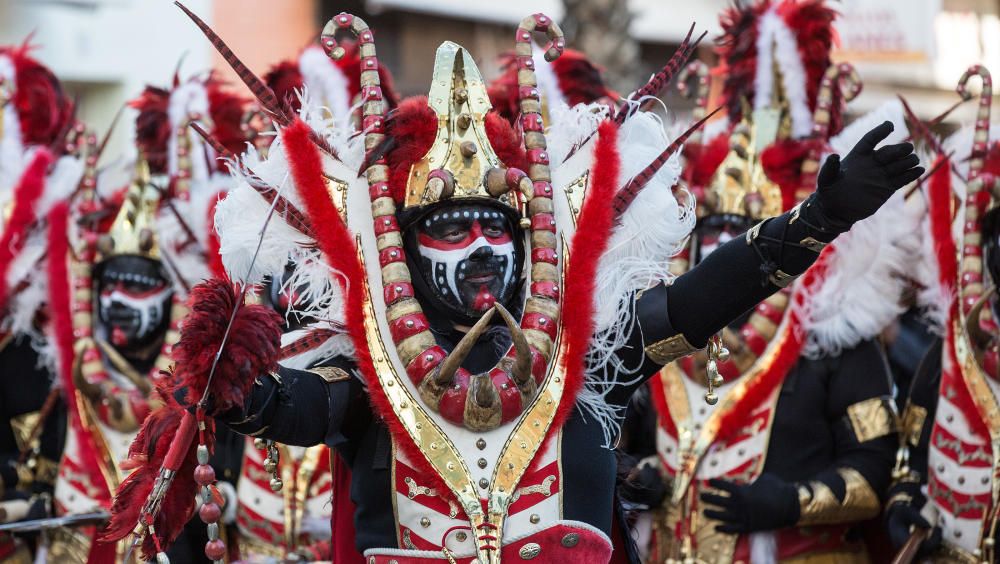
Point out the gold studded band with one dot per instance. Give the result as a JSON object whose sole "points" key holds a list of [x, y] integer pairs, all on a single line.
{"points": [[669, 349], [872, 418], [820, 506]]}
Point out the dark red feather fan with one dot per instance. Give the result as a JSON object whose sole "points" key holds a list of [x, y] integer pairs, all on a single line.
{"points": [[226, 110], [43, 107], [152, 127], [503, 89], [252, 348]]}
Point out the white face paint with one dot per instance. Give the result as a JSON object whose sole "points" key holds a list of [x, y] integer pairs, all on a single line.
{"points": [[133, 316]]}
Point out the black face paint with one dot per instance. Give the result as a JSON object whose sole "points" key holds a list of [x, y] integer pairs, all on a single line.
{"points": [[469, 257], [133, 299]]}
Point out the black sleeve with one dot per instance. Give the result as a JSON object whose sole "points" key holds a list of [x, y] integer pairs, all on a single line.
{"points": [[861, 377], [298, 407], [728, 283], [739, 275]]}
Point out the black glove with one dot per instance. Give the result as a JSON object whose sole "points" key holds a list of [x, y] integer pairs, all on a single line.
{"points": [[900, 520], [855, 187], [644, 486], [767, 504]]}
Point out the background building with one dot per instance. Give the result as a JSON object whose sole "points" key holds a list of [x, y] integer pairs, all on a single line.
{"points": [[106, 50]]}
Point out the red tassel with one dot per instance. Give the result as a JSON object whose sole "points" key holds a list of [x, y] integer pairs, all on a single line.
{"points": [[26, 194], [251, 350], [146, 457]]}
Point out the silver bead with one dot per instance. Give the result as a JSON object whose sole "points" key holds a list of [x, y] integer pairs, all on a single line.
{"points": [[276, 485]]}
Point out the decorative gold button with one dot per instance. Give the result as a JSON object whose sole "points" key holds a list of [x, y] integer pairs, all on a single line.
{"points": [[534, 518], [571, 540], [425, 522], [530, 550]]}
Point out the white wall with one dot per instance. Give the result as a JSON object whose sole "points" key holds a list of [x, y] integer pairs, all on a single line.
{"points": [[108, 50]]}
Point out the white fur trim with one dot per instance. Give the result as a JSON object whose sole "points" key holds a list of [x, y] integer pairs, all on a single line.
{"points": [[776, 43], [548, 82], [12, 157]]}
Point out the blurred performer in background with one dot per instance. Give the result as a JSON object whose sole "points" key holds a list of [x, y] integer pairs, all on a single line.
{"points": [[777, 443], [36, 172], [133, 257], [944, 500], [500, 319]]}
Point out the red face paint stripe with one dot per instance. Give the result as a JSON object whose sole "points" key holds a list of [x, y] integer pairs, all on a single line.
{"points": [[408, 326], [424, 362]]}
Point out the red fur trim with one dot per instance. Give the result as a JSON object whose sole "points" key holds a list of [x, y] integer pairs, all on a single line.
{"points": [[44, 110], [285, 79], [152, 126], [145, 458], [782, 162], [337, 245], [663, 414], [941, 197], [594, 230], [61, 332], [226, 110], [26, 194], [702, 160], [251, 350]]}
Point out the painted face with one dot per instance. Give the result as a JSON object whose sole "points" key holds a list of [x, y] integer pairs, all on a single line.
{"points": [[133, 302], [468, 257]]}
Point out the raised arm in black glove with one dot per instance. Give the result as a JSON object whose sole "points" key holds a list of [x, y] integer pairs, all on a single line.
{"points": [[717, 290]]}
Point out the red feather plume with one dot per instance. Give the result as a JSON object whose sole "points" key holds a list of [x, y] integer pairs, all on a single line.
{"points": [[152, 126], [43, 107], [411, 127], [702, 160], [580, 79], [285, 79], [782, 163], [251, 350]]}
